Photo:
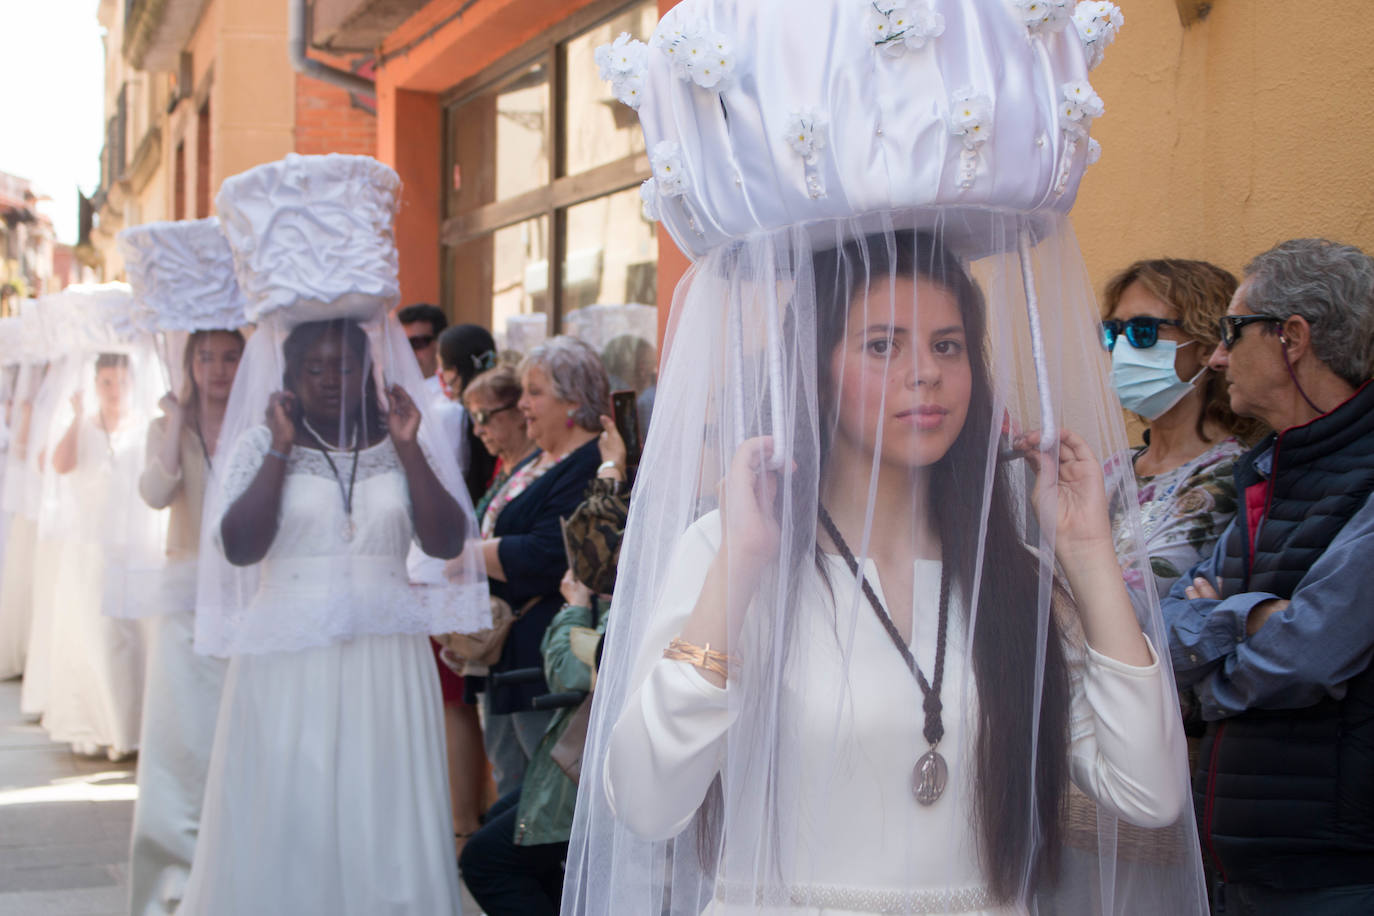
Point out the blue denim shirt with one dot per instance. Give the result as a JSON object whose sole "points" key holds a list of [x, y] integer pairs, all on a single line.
{"points": [[1304, 653]]}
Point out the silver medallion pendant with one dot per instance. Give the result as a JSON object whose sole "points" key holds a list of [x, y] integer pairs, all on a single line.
{"points": [[928, 777], [349, 529]]}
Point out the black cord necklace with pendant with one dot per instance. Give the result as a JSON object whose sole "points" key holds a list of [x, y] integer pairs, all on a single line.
{"points": [[931, 773], [349, 529]]}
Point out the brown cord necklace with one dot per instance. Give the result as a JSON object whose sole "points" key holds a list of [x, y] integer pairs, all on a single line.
{"points": [[931, 773]]}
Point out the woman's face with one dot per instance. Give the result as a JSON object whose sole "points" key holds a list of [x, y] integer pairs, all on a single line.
{"points": [[1136, 301], [111, 383], [330, 380], [503, 433], [214, 362], [545, 413], [902, 370]]}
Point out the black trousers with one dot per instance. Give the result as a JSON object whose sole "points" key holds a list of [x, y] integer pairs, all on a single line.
{"points": [[1254, 900], [510, 880]]}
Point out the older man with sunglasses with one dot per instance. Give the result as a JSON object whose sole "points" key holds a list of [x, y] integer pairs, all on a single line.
{"points": [[1275, 631]]}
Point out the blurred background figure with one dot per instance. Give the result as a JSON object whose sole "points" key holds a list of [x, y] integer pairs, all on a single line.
{"points": [[564, 394], [514, 865], [465, 351], [182, 276]]}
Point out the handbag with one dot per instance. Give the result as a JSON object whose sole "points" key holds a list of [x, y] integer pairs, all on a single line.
{"points": [[567, 750], [484, 646], [592, 536]]}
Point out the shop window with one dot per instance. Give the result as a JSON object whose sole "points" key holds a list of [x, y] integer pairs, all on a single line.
{"points": [[542, 216]]}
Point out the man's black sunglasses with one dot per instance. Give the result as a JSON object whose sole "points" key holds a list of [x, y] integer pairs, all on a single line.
{"points": [[1229, 326], [420, 341], [1142, 332]]}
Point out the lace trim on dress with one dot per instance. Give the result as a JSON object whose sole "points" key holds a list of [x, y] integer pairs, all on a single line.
{"points": [[858, 899], [254, 444]]}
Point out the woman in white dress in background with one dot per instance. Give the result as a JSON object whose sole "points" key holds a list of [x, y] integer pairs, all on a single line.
{"points": [[327, 790], [182, 274], [95, 678], [861, 673]]}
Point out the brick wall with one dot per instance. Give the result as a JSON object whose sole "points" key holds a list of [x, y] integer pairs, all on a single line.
{"points": [[327, 121]]}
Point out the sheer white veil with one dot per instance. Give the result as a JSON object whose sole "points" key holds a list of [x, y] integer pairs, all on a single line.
{"points": [[313, 246], [843, 178]]}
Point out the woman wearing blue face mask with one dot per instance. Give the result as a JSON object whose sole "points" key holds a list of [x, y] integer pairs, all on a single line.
{"points": [[1160, 327]]}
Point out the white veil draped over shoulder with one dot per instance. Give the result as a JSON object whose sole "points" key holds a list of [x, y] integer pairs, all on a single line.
{"points": [[887, 328]]}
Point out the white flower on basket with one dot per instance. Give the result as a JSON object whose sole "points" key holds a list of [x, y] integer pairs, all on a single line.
{"points": [[1082, 92], [628, 89], [648, 197], [1094, 151], [698, 54], [623, 56], [896, 26], [1081, 104], [807, 133], [670, 177], [625, 63], [1097, 22], [1044, 15], [970, 118]]}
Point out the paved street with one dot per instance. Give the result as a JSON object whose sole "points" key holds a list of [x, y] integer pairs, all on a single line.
{"points": [[64, 823]]}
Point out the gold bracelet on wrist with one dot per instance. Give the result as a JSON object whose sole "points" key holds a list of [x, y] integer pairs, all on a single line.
{"points": [[703, 657]]}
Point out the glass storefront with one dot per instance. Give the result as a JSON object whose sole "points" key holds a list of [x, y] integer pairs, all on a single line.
{"points": [[542, 214]]}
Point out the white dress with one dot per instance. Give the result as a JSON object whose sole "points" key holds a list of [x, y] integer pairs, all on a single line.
{"points": [[95, 667], [857, 840], [328, 787]]}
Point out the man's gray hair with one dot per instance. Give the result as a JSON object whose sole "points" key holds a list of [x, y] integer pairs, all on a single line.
{"points": [[577, 376], [1332, 287]]}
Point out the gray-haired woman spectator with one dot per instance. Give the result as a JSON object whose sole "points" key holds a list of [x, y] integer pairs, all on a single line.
{"points": [[565, 392]]}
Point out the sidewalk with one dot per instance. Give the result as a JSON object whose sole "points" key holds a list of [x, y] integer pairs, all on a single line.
{"points": [[64, 823]]}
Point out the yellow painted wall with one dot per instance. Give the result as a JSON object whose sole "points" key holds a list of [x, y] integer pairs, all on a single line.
{"points": [[1251, 126], [253, 107]]}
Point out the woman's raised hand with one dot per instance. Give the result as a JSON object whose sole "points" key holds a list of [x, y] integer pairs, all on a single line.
{"points": [[574, 593], [403, 417], [748, 504], [610, 443], [281, 410], [1076, 493], [77, 405], [170, 405]]}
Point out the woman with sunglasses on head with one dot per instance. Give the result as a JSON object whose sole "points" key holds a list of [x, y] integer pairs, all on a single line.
{"points": [[1160, 327], [466, 351]]}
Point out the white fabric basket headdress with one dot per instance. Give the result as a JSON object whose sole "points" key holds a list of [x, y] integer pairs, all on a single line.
{"points": [[183, 273], [312, 245]]}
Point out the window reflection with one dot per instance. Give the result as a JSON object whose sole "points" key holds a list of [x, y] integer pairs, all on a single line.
{"points": [[501, 276], [498, 141], [598, 129]]}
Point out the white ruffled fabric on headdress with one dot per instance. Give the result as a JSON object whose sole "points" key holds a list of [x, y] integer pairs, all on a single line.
{"points": [[313, 235], [975, 105], [183, 272]]}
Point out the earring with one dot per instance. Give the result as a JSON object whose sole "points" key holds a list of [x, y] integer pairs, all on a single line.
{"points": [[571, 412]]}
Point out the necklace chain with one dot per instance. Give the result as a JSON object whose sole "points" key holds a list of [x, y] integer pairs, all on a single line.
{"points": [[934, 727], [345, 495]]}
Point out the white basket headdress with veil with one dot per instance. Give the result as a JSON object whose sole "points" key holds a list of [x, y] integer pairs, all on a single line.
{"points": [[315, 258], [886, 300]]}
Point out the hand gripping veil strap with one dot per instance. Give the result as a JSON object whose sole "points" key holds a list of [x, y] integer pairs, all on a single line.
{"points": [[315, 259], [886, 293]]}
